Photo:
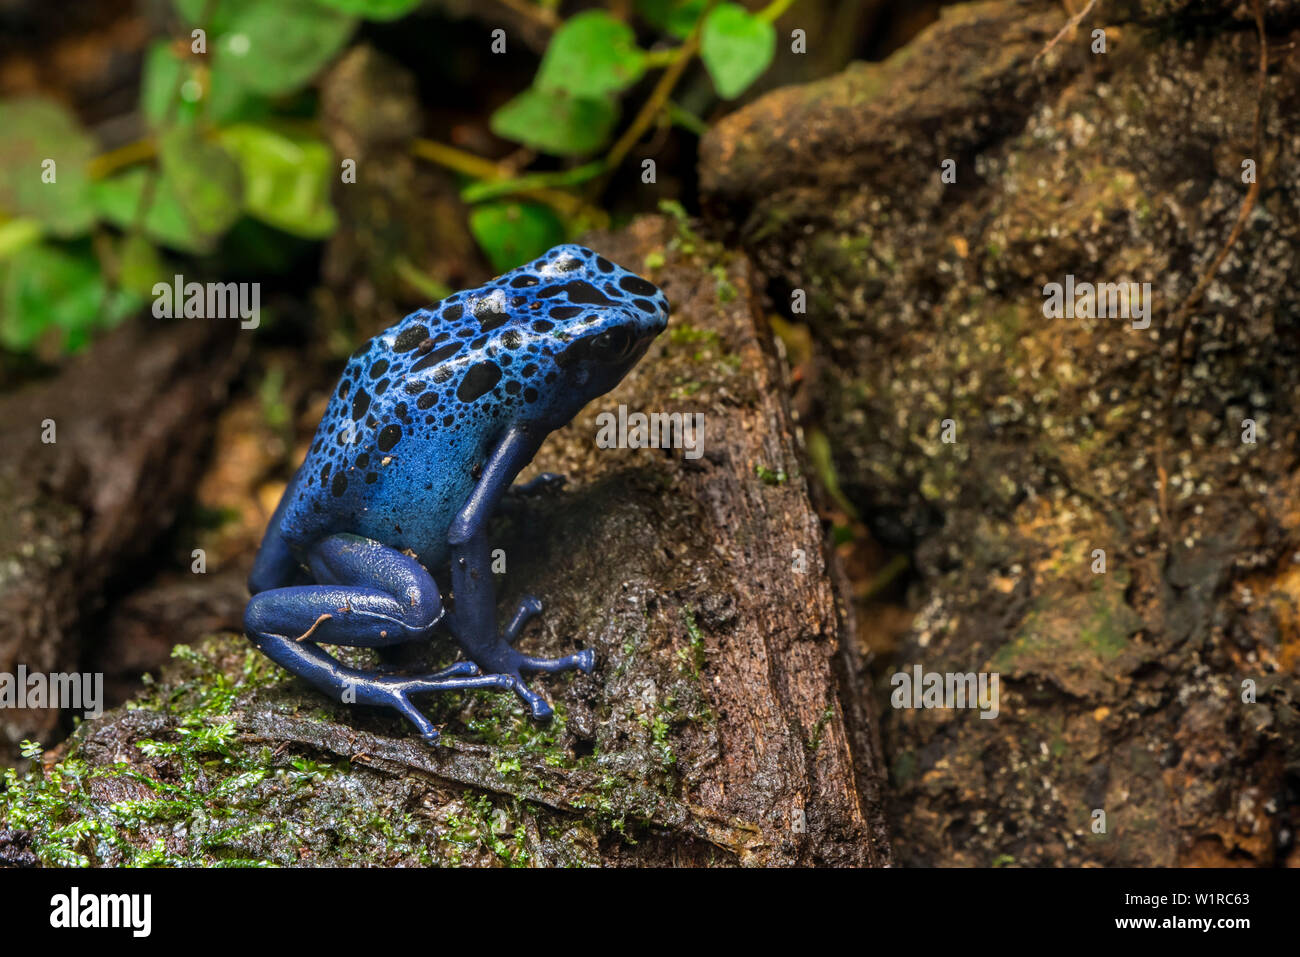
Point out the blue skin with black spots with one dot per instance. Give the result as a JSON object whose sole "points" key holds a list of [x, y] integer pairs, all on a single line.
{"points": [[429, 425]]}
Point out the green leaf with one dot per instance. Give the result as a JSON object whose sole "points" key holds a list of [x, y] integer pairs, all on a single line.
{"points": [[736, 48], [373, 9], [161, 79], [286, 180], [514, 233], [204, 177], [592, 55], [270, 46], [118, 200], [48, 289], [217, 96], [676, 16], [36, 131], [139, 266], [17, 234], [554, 122]]}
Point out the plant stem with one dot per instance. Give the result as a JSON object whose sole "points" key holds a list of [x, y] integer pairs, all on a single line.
{"points": [[106, 164], [772, 12], [456, 160], [686, 119], [477, 192], [546, 16], [651, 107], [498, 181]]}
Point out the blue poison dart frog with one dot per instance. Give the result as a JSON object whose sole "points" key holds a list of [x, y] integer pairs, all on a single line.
{"points": [[430, 423]]}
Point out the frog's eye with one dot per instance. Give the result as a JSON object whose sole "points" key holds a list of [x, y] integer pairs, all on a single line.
{"points": [[612, 344]]}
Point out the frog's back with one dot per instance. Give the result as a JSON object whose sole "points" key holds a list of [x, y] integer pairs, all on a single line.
{"points": [[419, 407]]}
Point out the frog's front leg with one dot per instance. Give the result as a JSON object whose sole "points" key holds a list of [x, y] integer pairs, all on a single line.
{"points": [[473, 620], [366, 595]]}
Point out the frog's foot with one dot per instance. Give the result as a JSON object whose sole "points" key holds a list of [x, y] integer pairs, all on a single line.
{"points": [[354, 686], [583, 661], [515, 665], [525, 663]]}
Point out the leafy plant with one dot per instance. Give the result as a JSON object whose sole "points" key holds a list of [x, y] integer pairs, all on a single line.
{"points": [[84, 235]]}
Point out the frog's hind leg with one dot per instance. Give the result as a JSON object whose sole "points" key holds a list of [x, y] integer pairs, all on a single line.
{"points": [[368, 595]]}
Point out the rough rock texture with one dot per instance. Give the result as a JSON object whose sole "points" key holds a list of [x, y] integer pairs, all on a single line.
{"points": [[722, 724], [131, 421], [1190, 12], [1121, 691]]}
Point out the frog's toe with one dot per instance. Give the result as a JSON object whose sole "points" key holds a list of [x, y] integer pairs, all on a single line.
{"points": [[529, 607], [403, 706], [583, 661], [457, 669], [546, 481], [537, 705]]}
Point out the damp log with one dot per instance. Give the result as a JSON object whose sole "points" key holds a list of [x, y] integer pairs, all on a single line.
{"points": [[721, 725]]}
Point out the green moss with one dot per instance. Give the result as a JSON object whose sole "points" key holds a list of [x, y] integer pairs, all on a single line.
{"points": [[1080, 631], [723, 285], [1107, 631], [903, 767], [685, 334], [685, 388], [692, 656], [815, 739]]}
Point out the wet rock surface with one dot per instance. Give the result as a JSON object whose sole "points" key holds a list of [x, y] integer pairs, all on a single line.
{"points": [[722, 724], [1121, 691]]}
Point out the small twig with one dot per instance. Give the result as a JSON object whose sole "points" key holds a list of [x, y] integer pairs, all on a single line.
{"points": [[314, 625], [476, 167], [106, 164], [884, 578], [539, 15], [456, 160], [656, 100], [772, 12], [1183, 315], [490, 189], [1070, 25]]}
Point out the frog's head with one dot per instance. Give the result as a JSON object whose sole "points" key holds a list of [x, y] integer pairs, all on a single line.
{"points": [[597, 318]]}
